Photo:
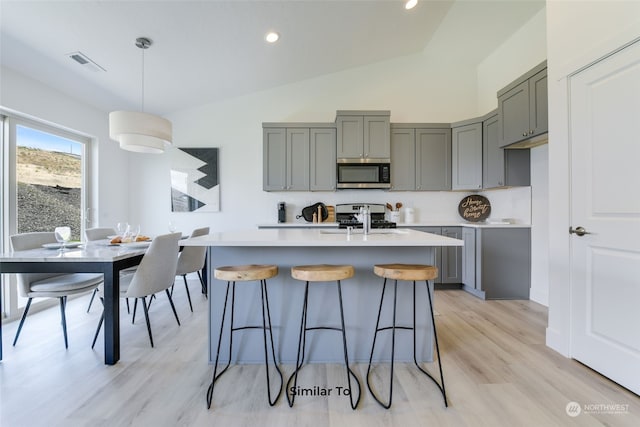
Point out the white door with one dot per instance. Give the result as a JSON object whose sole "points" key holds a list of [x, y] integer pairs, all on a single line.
{"points": [[605, 202]]}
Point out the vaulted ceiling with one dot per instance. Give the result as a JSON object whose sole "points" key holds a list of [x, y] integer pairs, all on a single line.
{"points": [[206, 51]]}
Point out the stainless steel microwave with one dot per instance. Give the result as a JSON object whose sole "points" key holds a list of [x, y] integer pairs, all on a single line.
{"points": [[364, 175]]}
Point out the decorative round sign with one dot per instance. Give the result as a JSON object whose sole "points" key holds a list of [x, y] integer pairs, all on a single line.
{"points": [[474, 208]]}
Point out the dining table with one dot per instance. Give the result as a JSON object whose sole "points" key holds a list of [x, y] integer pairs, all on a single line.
{"points": [[91, 257]]}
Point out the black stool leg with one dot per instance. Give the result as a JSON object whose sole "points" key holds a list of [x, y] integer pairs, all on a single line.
{"points": [[63, 320], [265, 302], [435, 338], [301, 346], [215, 366], [393, 344], [346, 356]]}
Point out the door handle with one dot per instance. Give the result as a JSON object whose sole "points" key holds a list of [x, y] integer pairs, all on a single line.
{"points": [[580, 231]]}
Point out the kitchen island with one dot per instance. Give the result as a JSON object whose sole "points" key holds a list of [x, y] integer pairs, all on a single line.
{"points": [[289, 247]]}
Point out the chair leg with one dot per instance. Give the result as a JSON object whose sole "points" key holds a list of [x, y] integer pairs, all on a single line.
{"points": [[217, 375], [172, 306], [435, 339], [204, 288], [146, 317], [135, 306], [265, 302], [301, 347], [346, 356], [24, 316], [186, 287], [127, 301], [93, 295], [64, 320], [393, 340], [95, 337]]}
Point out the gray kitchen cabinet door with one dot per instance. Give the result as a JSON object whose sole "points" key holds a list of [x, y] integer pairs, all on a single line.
{"points": [[538, 104], [466, 157], [274, 158], [451, 261], [513, 110], [503, 262], [297, 159], [493, 155], [350, 137], [469, 259], [433, 159], [403, 164], [323, 159], [376, 137]]}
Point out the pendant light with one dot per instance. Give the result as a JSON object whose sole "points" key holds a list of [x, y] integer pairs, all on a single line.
{"points": [[136, 130]]}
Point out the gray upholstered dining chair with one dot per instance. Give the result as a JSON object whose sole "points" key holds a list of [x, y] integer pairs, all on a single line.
{"points": [[49, 285], [191, 260], [155, 273]]}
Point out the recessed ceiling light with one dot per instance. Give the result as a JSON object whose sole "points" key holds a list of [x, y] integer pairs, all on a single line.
{"points": [[410, 4], [272, 37]]}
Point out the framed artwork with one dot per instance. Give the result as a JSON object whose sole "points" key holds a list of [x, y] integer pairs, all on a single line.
{"points": [[194, 180]]}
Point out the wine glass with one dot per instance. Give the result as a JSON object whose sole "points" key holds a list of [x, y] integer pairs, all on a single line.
{"points": [[63, 234], [123, 228], [134, 232], [172, 227]]}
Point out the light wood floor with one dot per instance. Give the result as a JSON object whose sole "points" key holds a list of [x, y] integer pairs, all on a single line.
{"points": [[497, 369]]}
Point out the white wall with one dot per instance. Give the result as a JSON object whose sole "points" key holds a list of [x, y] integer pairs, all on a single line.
{"points": [[578, 33], [33, 99]]}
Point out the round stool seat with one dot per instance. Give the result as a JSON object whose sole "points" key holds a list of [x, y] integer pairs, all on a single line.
{"points": [[409, 272], [245, 273], [322, 272]]}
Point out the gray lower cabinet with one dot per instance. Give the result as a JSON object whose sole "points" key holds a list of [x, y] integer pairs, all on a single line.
{"points": [[448, 259], [299, 159], [523, 107], [500, 167], [498, 265], [363, 135], [466, 157], [420, 158]]}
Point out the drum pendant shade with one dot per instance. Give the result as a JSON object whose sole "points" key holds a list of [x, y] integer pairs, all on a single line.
{"points": [[139, 132]]}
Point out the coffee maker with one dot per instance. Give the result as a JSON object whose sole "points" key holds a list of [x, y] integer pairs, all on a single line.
{"points": [[282, 212]]}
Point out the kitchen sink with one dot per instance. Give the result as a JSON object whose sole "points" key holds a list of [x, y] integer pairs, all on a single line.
{"points": [[359, 231]]}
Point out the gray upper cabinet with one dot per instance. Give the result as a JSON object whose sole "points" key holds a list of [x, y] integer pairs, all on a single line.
{"points": [[523, 107], [502, 167], [420, 157], [493, 155], [466, 156], [298, 157], [274, 156], [363, 135], [433, 159], [297, 164], [403, 165], [323, 159]]}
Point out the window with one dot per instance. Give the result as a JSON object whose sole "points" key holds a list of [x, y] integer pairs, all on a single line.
{"points": [[44, 183]]}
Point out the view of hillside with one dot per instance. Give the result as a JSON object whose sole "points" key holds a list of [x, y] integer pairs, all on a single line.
{"points": [[49, 190]]}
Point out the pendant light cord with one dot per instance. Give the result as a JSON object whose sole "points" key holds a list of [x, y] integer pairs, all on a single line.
{"points": [[142, 106]]}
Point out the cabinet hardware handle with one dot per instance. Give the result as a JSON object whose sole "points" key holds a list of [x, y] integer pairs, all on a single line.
{"points": [[524, 134], [531, 132], [580, 231]]}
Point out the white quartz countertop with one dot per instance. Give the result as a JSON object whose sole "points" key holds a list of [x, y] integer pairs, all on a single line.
{"points": [[293, 237]]}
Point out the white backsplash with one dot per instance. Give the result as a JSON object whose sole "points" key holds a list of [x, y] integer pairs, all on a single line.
{"points": [[429, 206]]}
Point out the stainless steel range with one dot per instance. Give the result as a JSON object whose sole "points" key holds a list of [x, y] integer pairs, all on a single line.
{"points": [[347, 215]]}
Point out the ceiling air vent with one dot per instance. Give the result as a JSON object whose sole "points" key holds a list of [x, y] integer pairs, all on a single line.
{"points": [[85, 61]]}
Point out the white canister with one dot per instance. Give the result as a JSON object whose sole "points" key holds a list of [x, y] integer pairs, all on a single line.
{"points": [[409, 215], [394, 216]]}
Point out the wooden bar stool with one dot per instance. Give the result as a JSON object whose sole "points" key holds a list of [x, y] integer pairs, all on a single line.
{"points": [[246, 273], [413, 273], [321, 273]]}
